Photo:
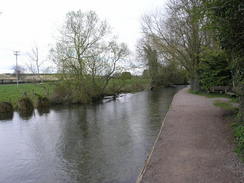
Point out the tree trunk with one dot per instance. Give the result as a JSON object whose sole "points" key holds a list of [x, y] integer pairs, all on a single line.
{"points": [[195, 83]]}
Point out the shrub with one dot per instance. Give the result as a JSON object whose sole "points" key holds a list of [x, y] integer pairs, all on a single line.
{"points": [[125, 75], [214, 69], [6, 111], [25, 105], [42, 102], [60, 93], [6, 107]]}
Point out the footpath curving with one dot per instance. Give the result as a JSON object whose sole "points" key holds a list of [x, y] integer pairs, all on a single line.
{"points": [[195, 145]]}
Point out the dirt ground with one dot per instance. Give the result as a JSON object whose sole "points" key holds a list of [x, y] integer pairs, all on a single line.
{"points": [[194, 146]]}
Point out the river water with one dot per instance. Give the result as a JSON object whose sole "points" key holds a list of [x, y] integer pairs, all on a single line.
{"points": [[101, 143]]}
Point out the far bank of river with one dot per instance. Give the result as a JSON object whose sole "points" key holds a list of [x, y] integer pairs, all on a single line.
{"points": [[106, 142]]}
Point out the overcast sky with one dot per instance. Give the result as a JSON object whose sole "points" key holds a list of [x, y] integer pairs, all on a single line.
{"points": [[25, 23]]}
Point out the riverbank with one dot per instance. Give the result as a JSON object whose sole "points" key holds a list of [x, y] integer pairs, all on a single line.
{"points": [[194, 145], [59, 93], [11, 93]]}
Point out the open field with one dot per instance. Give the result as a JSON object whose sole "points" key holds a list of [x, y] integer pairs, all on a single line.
{"points": [[11, 78]]}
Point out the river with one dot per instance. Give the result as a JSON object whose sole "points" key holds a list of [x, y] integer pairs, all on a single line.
{"points": [[100, 143]]}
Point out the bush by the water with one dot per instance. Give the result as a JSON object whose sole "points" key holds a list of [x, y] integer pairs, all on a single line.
{"points": [[6, 111], [25, 105], [134, 84], [70, 92], [42, 102], [60, 93], [6, 107]]}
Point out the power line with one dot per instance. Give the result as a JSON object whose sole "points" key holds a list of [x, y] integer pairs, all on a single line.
{"points": [[16, 53]]}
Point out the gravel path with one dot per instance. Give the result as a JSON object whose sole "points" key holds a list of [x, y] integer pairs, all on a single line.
{"points": [[195, 145]]}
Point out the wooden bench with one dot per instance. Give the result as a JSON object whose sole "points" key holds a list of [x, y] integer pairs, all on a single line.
{"points": [[220, 89]]}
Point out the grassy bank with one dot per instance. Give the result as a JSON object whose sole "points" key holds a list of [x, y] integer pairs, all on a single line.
{"points": [[11, 93], [238, 127]]}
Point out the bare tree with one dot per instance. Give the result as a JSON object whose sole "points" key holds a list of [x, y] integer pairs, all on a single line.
{"points": [[179, 36], [34, 65], [87, 52]]}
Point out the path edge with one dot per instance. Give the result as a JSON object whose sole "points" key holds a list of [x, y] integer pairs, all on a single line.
{"points": [[148, 159]]}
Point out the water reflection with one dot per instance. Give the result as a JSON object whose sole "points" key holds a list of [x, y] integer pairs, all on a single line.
{"points": [[43, 111], [102, 143], [26, 115]]}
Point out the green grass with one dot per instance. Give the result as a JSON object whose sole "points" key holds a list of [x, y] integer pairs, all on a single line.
{"points": [[238, 128], [224, 105], [214, 95], [209, 95], [11, 93], [239, 139]]}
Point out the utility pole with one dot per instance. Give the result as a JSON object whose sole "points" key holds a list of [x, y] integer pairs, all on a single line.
{"points": [[16, 53]]}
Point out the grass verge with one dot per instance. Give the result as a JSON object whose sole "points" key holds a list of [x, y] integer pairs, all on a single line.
{"points": [[239, 139], [238, 128], [224, 105], [209, 95], [214, 95]]}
